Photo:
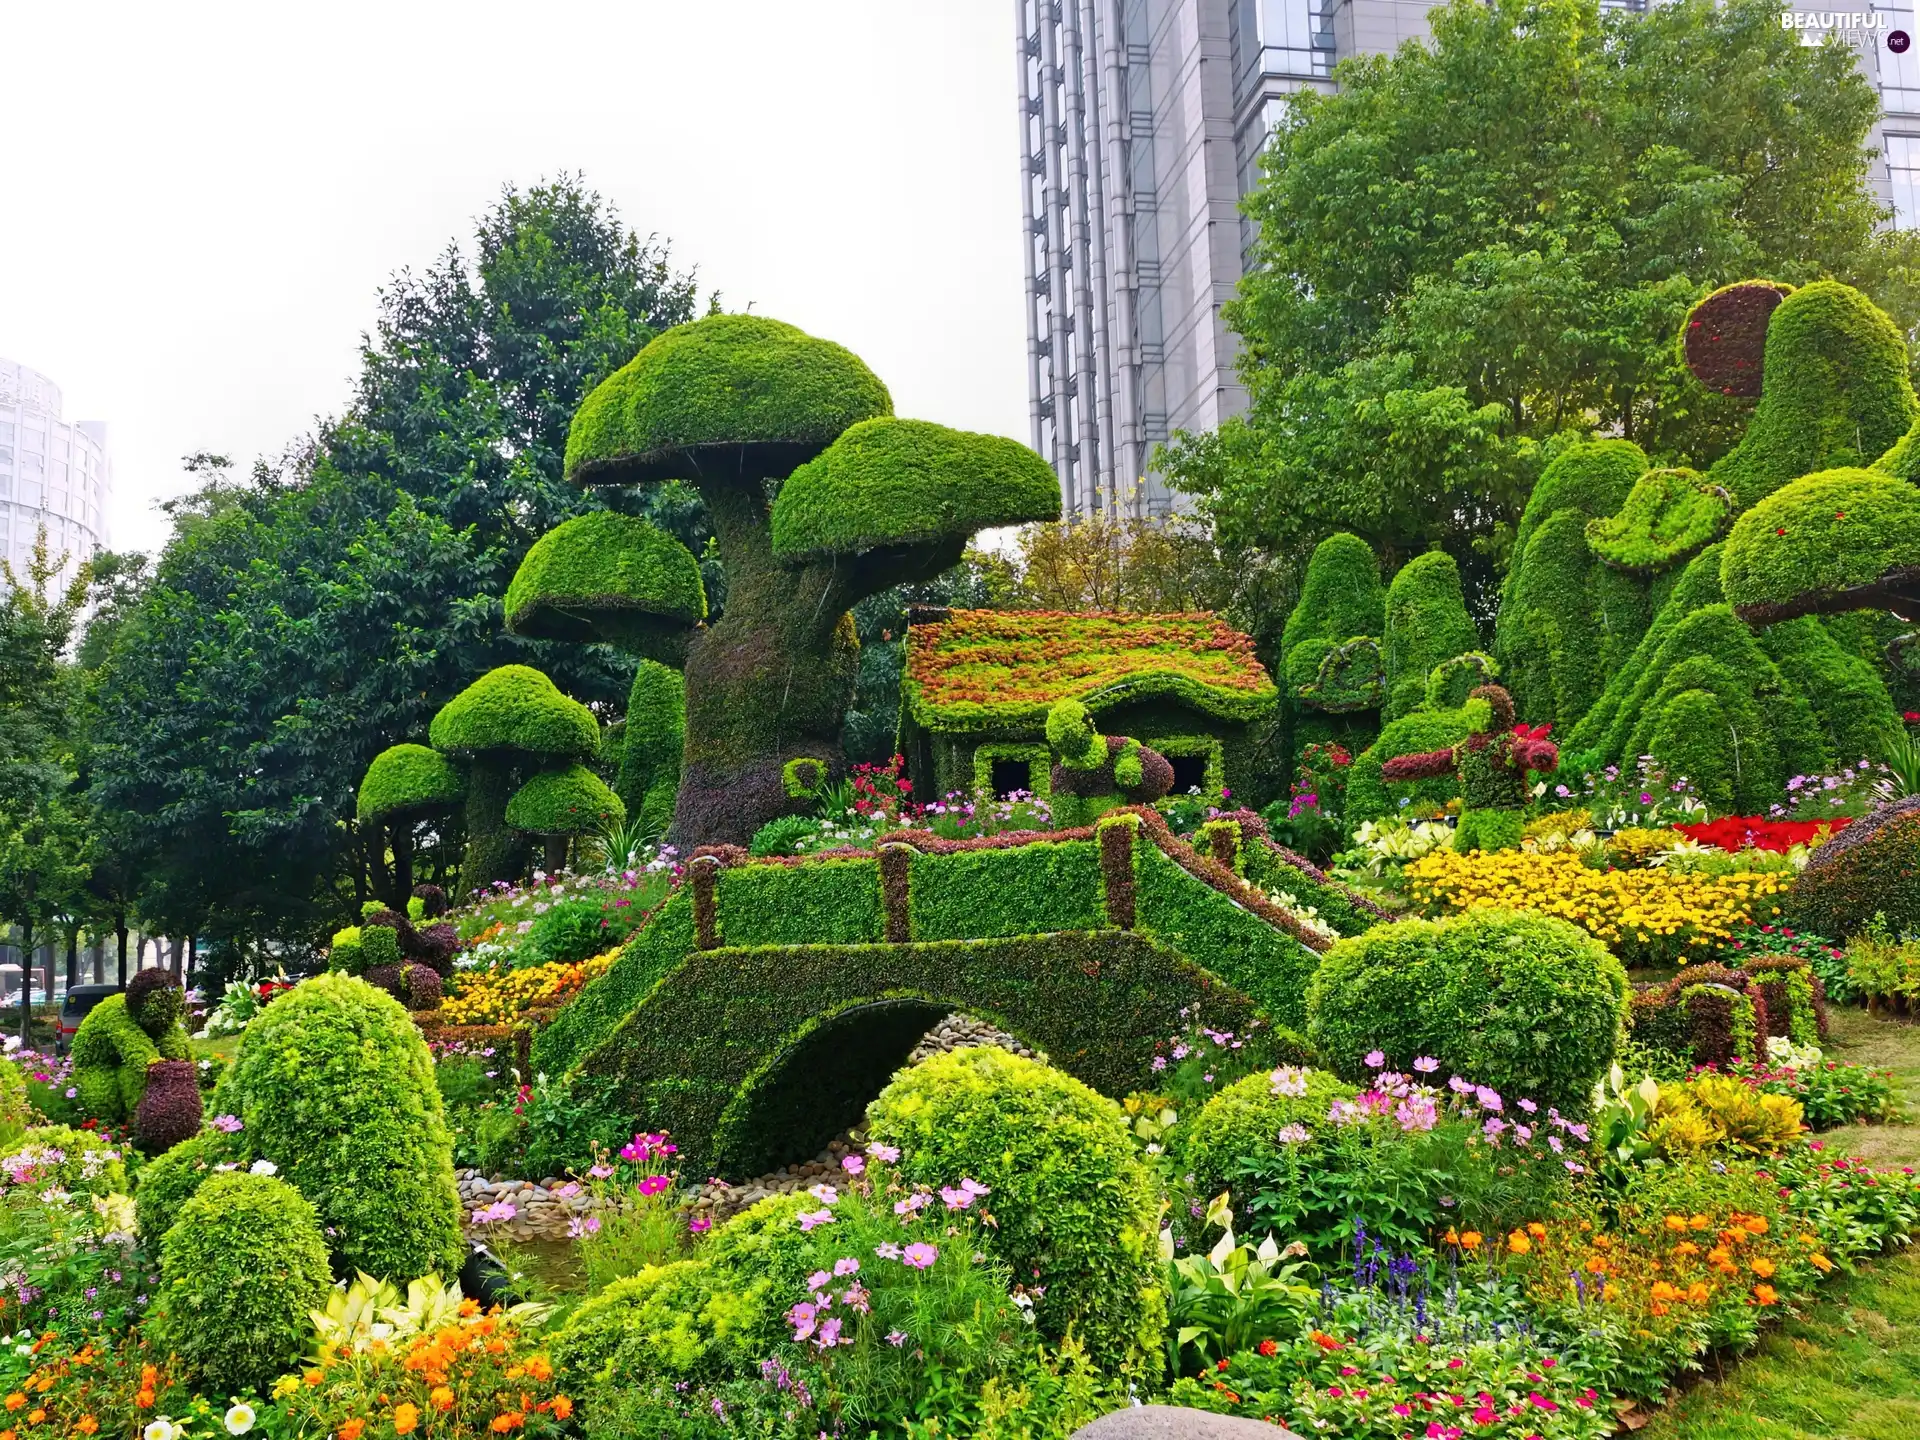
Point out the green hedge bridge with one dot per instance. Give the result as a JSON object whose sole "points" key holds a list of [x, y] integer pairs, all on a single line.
{"points": [[767, 1001]]}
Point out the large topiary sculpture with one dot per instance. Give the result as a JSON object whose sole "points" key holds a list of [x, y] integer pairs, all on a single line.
{"points": [[1426, 623], [1330, 650], [1095, 773], [656, 735], [1833, 541], [611, 578], [817, 498], [405, 785], [334, 1085], [1492, 764], [121, 1037], [509, 724]]}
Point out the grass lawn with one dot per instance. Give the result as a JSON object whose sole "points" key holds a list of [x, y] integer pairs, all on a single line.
{"points": [[1848, 1368]]}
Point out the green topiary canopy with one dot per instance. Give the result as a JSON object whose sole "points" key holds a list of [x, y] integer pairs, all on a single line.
{"points": [[608, 577], [573, 801], [515, 708], [1836, 540], [1670, 516], [733, 393], [1426, 623], [1341, 600], [406, 781], [897, 482]]}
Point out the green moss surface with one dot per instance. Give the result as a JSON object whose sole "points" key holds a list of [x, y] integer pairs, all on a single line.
{"points": [[655, 737], [515, 708], [892, 482], [406, 780], [607, 577]]}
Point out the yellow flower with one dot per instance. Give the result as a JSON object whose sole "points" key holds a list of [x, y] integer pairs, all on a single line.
{"points": [[1518, 1242]]}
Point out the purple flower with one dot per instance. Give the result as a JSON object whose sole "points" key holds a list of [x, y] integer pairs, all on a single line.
{"points": [[846, 1265], [580, 1227], [1488, 1099], [919, 1255], [810, 1218], [885, 1154], [852, 1164], [1375, 1059], [500, 1210], [896, 1338], [228, 1124]]}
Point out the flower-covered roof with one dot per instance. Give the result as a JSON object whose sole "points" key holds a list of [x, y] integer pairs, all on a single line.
{"points": [[1003, 669]]}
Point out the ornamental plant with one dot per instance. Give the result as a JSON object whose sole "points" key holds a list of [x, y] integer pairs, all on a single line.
{"points": [[67, 1382], [500, 997], [120, 1037], [818, 498], [1646, 916]]}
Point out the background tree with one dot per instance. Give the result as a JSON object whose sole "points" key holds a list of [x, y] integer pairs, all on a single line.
{"points": [[1475, 249]]}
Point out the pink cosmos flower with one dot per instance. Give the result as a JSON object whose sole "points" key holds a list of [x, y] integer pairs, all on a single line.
{"points": [[825, 1194], [582, 1226], [654, 1184], [1426, 1064], [846, 1265], [1375, 1059], [852, 1164], [919, 1255], [700, 1224], [885, 1154], [810, 1218]]}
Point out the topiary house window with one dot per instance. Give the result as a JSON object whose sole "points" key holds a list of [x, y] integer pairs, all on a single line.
{"points": [[1197, 760], [998, 770]]}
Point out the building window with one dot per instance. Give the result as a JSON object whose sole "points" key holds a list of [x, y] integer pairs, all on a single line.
{"points": [[1903, 175]]}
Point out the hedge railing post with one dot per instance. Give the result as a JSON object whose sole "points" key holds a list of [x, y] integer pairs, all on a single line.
{"points": [[896, 865], [703, 873], [1116, 835]]}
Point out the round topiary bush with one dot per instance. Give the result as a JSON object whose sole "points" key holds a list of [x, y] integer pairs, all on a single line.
{"points": [[168, 1181], [573, 801], [1528, 1004], [1244, 1118], [1076, 1206], [240, 1270], [335, 1086], [1870, 868]]}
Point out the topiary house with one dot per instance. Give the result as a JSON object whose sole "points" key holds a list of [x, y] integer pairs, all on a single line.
{"points": [[768, 1000], [978, 686], [818, 497]]}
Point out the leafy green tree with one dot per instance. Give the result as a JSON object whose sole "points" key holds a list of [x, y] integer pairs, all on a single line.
{"points": [[1477, 248]]}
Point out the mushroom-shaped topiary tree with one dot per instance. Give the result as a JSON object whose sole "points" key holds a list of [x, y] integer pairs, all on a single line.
{"points": [[404, 785], [509, 724], [562, 805], [1832, 541], [817, 498], [611, 578]]}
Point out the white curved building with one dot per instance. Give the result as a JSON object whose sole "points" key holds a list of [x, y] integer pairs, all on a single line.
{"points": [[53, 473]]}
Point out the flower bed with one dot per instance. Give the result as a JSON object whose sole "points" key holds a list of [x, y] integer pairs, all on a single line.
{"points": [[1755, 832], [1648, 916]]}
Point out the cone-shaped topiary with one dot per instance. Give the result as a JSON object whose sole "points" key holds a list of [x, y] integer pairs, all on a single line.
{"points": [[1341, 600], [240, 1273], [894, 482], [1833, 541], [733, 404], [1077, 1209], [656, 734], [335, 1086], [1426, 623], [509, 720], [611, 578]]}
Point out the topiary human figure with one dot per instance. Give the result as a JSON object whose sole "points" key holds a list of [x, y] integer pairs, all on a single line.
{"points": [[404, 785], [508, 724], [817, 498], [121, 1037], [1426, 622], [559, 806], [1492, 765], [335, 1086], [1094, 773]]}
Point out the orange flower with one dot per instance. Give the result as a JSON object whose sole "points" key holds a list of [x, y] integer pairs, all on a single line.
{"points": [[563, 1407], [86, 1425], [149, 1374], [1700, 1222], [1762, 1267], [1699, 1293], [441, 1399], [1765, 1294], [1686, 1247], [1676, 1222], [352, 1428], [511, 1420], [1269, 1347], [16, 1400], [144, 1400], [1597, 1265], [1470, 1240], [1820, 1263], [1518, 1242], [1663, 1291], [406, 1419], [1323, 1340], [1755, 1224], [469, 1307], [314, 1377], [539, 1369], [1601, 1242], [1537, 1230], [35, 1416]]}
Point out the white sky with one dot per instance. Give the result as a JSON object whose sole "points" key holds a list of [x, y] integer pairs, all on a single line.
{"points": [[198, 201]]}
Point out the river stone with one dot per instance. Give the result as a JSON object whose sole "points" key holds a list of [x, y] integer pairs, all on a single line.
{"points": [[1170, 1422]]}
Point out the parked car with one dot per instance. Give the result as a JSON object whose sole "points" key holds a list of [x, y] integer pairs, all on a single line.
{"points": [[76, 1007]]}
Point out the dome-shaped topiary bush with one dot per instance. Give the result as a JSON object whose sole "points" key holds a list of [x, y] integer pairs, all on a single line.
{"points": [[515, 708], [573, 801], [1244, 1118], [1076, 1206], [1530, 1005], [612, 578], [241, 1270], [407, 780], [120, 1037], [335, 1086], [1870, 868], [1426, 622], [1835, 540], [168, 1181]]}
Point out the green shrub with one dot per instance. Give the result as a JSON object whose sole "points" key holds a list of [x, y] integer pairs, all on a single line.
{"points": [[825, 902], [66, 1158], [671, 1320], [1341, 600], [571, 930], [408, 780], [573, 801], [240, 1272], [1022, 890], [1426, 623], [1670, 516], [16, 1111], [656, 733], [1870, 868], [1076, 1207], [887, 481], [1243, 1119], [111, 1053], [784, 835], [168, 1181], [1525, 1003], [1819, 537], [336, 1087]]}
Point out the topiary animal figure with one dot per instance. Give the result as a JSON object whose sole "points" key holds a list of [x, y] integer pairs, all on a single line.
{"points": [[1094, 773], [1492, 765], [121, 1037]]}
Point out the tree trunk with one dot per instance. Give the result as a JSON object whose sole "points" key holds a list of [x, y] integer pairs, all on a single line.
{"points": [[494, 852], [556, 856], [26, 986], [120, 934], [173, 961], [47, 971], [402, 864], [73, 957]]}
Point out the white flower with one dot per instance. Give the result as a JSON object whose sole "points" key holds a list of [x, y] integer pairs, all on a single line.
{"points": [[13, 1043], [240, 1419], [263, 1167], [161, 1429]]}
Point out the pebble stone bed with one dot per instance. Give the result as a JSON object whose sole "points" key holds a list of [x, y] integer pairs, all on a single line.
{"points": [[541, 1212]]}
